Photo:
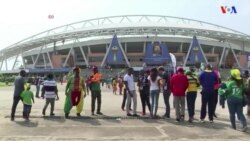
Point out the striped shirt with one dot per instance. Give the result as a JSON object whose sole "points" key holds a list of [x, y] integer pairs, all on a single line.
{"points": [[50, 89]]}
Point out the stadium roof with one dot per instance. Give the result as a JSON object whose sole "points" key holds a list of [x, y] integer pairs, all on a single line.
{"points": [[124, 25]]}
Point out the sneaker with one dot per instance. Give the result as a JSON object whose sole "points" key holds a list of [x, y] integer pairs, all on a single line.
{"points": [[67, 116], [182, 119], [52, 114], [233, 127], [135, 115], [211, 121], [156, 116], [166, 116], [244, 129], [202, 121], [215, 116], [190, 120], [129, 115], [99, 113]]}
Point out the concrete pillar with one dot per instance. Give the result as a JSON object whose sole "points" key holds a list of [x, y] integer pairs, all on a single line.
{"points": [[126, 48], [89, 50], [212, 50], [44, 61], [144, 47], [181, 48]]}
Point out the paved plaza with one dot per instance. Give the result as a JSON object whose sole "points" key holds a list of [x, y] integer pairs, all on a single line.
{"points": [[113, 125]]}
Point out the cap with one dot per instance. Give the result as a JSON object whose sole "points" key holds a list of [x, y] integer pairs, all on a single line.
{"points": [[147, 71], [180, 70], [27, 86], [189, 73], [76, 68], [235, 73], [161, 68], [94, 68]]}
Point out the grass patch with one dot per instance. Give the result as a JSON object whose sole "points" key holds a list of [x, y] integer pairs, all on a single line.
{"points": [[3, 84]]}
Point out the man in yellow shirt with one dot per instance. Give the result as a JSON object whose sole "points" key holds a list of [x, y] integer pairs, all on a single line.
{"points": [[193, 85]]}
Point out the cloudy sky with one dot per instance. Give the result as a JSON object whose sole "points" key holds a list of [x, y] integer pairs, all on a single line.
{"points": [[23, 18]]}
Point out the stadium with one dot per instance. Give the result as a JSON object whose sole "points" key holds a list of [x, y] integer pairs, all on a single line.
{"points": [[128, 41]]}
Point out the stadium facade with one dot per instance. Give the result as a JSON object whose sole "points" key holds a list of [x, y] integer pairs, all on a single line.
{"points": [[121, 41]]}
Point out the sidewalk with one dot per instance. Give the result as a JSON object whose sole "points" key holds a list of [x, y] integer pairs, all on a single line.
{"points": [[114, 125]]}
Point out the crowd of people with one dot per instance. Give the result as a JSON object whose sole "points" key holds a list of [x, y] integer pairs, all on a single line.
{"points": [[183, 85]]}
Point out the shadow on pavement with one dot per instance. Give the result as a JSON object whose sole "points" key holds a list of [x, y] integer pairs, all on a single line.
{"points": [[83, 119], [58, 119], [215, 125], [27, 123]]}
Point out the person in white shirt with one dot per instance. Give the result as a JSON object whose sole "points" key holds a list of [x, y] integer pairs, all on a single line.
{"points": [[154, 91], [50, 93], [131, 94]]}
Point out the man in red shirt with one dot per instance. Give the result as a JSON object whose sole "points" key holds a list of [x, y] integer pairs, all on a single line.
{"points": [[179, 85]]}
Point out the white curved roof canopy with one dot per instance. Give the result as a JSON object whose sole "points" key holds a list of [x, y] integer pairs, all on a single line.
{"points": [[125, 25]]}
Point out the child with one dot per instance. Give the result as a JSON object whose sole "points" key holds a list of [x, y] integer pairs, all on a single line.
{"points": [[26, 97]]}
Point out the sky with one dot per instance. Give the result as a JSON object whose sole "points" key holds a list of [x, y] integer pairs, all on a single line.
{"points": [[23, 18]]}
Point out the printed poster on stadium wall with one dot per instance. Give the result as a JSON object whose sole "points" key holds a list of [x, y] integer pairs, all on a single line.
{"points": [[157, 53], [195, 53], [115, 55]]}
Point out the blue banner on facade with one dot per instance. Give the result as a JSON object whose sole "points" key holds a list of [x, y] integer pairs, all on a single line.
{"points": [[115, 55], [195, 53], [248, 57], [157, 53]]}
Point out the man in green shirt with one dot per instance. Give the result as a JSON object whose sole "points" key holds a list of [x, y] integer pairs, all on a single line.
{"points": [[234, 95], [27, 98]]}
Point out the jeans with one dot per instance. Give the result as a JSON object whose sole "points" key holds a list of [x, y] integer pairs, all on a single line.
{"points": [[207, 98], [191, 97], [129, 99], [215, 100], [154, 98], [37, 90], [96, 95], [50, 101], [16, 100], [124, 99], [179, 104], [235, 107], [144, 94], [166, 95], [26, 110]]}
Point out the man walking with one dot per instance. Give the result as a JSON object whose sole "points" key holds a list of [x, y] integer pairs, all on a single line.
{"points": [[19, 87], [96, 78], [131, 94], [50, 93], [207, 80]]}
